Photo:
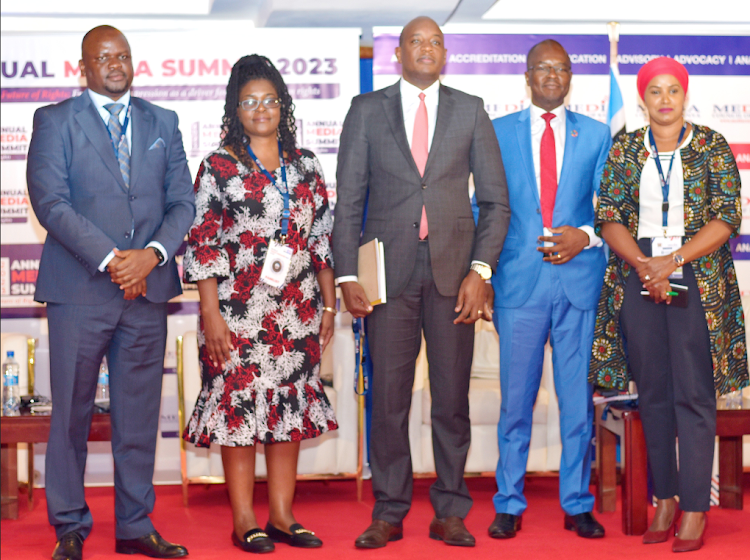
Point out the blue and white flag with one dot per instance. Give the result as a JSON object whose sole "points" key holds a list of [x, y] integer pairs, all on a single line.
{"points": [[616, 109]]}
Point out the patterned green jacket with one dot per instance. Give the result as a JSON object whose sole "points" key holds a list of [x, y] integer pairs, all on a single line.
{"points": [[712, 191]]}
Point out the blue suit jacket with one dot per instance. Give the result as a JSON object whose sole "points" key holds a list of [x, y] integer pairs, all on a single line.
{"points": [[587, 144], [80, 198]]}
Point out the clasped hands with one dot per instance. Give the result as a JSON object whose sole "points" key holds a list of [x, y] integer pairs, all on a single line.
{"points": [[130, 268], [567, 244], [474, 300], [654, 273]]}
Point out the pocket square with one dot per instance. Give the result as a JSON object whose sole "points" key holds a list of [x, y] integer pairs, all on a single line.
{"points": [[158, 144]]}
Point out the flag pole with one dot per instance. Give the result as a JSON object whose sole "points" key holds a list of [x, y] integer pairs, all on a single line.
{"points": [[613, 29]]}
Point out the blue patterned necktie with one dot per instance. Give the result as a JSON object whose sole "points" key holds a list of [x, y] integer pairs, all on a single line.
{"points": [[119, 140]]}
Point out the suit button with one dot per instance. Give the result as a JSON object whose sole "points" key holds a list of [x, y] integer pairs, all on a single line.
{"points": [[424, 186], [127, 235], [415, 224], [538, 211], [132, 197]]}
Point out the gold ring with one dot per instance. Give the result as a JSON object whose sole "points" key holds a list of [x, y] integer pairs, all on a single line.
{"points": [[559, 256], [647, 277], [480, 312]]}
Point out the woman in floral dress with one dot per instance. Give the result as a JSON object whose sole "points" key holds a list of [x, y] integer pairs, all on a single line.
{"points": [[259, 343], [669, 233]]}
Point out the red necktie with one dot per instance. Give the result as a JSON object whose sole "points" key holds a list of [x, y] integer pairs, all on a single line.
{"points": [[548, 172], [419, 152]]}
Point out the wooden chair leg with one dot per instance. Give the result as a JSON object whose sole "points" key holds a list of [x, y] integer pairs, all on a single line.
{"points": [[9, 482], [635, 480], [31, 475], [606, 469], [730, 472]]}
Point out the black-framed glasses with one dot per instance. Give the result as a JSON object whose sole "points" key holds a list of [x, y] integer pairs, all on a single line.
{"points": [[252, 104], [546, 69]]}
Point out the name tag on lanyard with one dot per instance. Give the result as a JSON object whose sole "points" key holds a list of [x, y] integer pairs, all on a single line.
{"points": [[662, 246]]}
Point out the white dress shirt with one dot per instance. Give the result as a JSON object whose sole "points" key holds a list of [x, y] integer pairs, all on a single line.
{"points": [[558, 124], [99, 102], [650, 219]]}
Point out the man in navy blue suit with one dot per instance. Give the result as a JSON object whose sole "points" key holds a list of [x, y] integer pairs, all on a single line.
{"points": [[547, 285], [108, 180]]}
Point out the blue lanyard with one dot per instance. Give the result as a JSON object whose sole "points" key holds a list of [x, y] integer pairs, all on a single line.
{"points": [[665, 180], [285, 193], [123, 131]]}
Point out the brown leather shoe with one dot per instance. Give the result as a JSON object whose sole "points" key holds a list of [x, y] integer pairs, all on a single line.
{"points": [[451, 530], [378, 534]]}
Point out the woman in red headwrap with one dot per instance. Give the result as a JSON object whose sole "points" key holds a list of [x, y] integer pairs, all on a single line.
{"points": [[670, 312]]}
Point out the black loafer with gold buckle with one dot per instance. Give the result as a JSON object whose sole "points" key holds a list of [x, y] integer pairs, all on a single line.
{"points": [[255, 540], [299, 537]]}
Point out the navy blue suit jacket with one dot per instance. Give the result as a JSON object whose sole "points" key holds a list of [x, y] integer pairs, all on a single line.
{"points": [[80, 198], [587, 144]]}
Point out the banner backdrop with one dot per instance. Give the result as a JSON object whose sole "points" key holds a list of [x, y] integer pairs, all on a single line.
{"points": [[177, 70], [492, 67], [187, 73]]}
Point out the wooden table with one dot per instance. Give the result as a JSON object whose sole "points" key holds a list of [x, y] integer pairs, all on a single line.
{"points": [[32, 428], [731, 425]]}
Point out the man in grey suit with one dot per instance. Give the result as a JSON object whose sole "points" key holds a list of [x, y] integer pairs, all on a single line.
{"points": [[108, 180], [412, 147]]}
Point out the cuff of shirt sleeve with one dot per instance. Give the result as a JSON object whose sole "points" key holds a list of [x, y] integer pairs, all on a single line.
{"points": [[159, 247], [105, 262], [342, 279], [594, 241]]}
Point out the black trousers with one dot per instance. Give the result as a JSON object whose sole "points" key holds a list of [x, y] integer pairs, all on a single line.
{"points": [[670, 356], [395, 337]]}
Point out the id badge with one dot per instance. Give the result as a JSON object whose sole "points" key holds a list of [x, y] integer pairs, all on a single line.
{"points": [[662, 246], [276, 265]]}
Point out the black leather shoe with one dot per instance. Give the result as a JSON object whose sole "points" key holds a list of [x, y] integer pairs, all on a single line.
{"points": [[152, 545], [505, 526], [69, 547], [585, 525], [300, 537], [378, 534], [452, 531], [255, 540]]}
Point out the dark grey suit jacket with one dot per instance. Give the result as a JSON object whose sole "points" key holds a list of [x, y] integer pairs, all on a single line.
{"points": [[375, 160], [80, 198]]}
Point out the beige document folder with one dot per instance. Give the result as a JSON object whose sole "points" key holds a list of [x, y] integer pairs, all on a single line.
{"points": [[371, 272]]}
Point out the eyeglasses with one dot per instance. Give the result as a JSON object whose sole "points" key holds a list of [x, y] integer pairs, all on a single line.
{"points": [[253, 104], [546, 69]]}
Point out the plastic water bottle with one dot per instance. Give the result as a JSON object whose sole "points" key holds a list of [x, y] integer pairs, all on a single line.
{"points": [[11, 390], [102, 386]]}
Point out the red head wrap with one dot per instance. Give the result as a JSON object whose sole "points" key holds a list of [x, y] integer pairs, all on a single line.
{"points": [[657, 67]]}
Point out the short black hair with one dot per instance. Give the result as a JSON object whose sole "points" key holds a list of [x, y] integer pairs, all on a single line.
{"points": [[247, 69]]}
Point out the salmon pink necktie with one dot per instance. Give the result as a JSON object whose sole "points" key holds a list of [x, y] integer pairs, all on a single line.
{"points": [[548, 172], [419, 152]]}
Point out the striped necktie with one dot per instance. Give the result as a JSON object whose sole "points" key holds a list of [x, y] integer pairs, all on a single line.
{"points": [[119, 140]]}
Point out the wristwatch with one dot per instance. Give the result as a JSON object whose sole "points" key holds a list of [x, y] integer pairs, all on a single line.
{"points": [[158, 255], [484, 271], [678, 259]]}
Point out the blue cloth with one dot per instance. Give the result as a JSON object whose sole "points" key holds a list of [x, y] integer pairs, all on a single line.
{"points": [[535, 300]]}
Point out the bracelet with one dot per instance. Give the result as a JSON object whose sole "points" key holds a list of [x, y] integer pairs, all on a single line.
{"points": [[331, 310]]}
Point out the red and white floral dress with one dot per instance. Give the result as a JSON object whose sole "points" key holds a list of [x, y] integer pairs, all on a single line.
{"points": [[270, 391]]}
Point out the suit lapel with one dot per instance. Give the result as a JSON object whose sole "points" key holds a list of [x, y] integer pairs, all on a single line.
{"points": [[523, 134], [444, 115], [571, 143], [94, 129], [142, 124], [395, 115]]}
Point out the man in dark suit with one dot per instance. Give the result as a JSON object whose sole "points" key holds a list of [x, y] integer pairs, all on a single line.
{"points": [[412, 146], [553, 161], [108, 180]]}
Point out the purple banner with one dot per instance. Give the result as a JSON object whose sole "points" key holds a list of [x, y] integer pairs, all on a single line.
{"points": [[589, 54], [313, 91], [740, 247], [5, 157]]}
